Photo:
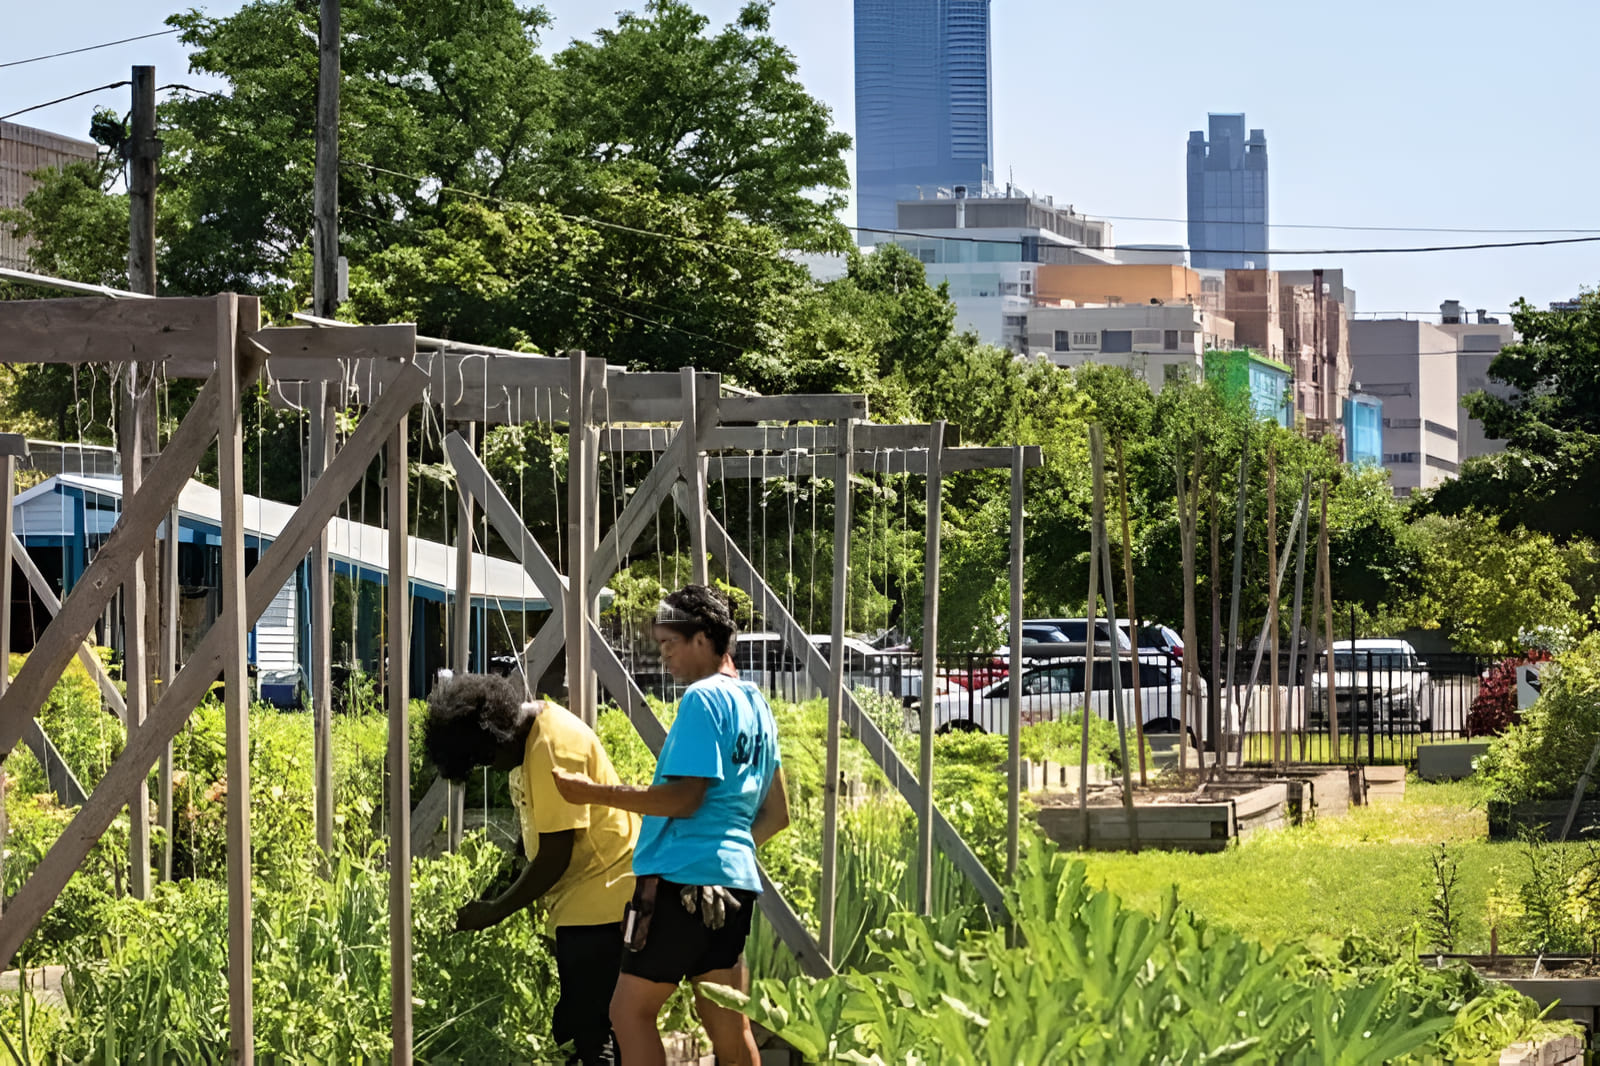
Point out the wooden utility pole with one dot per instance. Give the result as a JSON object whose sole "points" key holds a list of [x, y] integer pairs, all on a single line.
{"points": [[324, 406], [136, 439]]}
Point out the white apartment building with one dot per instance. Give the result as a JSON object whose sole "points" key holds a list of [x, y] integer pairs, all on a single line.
{"points": [[1412, 366], [1159, 342], [1477, 343]]}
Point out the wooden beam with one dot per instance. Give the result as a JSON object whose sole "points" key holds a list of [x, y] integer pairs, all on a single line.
{"points": [[576, 603], [90, 329], [141, 515], [91, 662], [324, 412], [744, 574], [398, 602], [136, 665], [173, 707], [868, 437], [1014, 692], [836, 690], [953, 460], [235, 633], [615, 677], [930, 662], [694, 483], [795, 407]]}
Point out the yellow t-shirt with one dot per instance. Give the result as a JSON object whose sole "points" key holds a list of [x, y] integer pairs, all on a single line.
{"points": [[599, 879]]}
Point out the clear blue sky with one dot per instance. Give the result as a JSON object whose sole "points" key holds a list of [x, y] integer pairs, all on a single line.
{"points": [[1469, 114]]}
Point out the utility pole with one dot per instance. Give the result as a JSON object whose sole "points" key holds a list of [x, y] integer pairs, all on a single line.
{"points": [[324, 409], [137, 439]]}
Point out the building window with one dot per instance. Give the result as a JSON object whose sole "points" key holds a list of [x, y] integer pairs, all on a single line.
{"points": [[1441, 464], [1086, 340], [1444, 431], [1149, 337], [1169, 340], [1186, 336], [1116, 340], [1062, 339], [1399, 457]]}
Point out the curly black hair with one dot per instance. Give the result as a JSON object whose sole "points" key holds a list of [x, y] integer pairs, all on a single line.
{"points": [[708, 612], [469, 717]]}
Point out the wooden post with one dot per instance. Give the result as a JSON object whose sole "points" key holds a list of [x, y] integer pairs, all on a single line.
{"points": [[1327, 608], [1272, 603], [135, 666], [1188, 505], [694, 475], [171, 638], [845, 449], [1090, 604], [230, 482], [1308, 690], [325, 177], [1214, 694], [1133, 612], [1299, 592], [461, 635], [1118, 705], [930, 664], [324, 422], [1229, 715], [9, 445], [1014, 691], [576, 607], [398, 608]]}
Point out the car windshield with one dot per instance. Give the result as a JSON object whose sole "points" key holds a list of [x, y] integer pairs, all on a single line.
{"points": [[1372, 660], [1152, 637]]}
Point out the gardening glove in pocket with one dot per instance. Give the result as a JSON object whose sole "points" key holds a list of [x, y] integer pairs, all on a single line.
{"points": [[712, 903]]}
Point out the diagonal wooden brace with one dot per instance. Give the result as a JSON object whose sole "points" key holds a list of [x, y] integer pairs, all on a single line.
{"points": [[173, 707], [744, 574], [474, 480], [91, 662], [136, 527]]}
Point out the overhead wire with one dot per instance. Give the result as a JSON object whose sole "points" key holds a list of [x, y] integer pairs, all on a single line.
{"points": [[64, 99], [88, 48]]}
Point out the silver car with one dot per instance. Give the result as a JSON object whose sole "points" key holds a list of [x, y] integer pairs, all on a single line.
{"points": [[1379, 684]]}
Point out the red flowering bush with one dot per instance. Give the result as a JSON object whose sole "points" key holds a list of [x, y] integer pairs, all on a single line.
{"points": [[1494, 708]]}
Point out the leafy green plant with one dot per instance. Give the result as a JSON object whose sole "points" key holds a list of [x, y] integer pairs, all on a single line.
{"points": [[1541, 756]]}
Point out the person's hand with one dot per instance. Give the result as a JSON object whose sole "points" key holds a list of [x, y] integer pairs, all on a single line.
{"points": [[574, 788], [479, 914]]}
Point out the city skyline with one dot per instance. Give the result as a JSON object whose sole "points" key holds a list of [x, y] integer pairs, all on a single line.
{"points": [[1364, 133]]}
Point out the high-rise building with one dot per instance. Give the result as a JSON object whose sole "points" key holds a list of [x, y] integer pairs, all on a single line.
{"points": [[1228, 196], [923, 102]]}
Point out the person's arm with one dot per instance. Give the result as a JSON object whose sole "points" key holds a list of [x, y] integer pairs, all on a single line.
{"points": [[773, 816], [536, 878], [678, 797]]}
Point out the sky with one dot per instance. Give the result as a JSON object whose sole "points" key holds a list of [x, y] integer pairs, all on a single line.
{"points": [[1378, 114]]}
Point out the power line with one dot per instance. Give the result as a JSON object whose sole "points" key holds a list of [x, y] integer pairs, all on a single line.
{"points": [[1365, 229], [64, 99], [87, 48]]}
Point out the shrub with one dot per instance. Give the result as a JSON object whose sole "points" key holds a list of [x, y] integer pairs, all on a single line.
{"points": [[1494, 708], [1542, 756]]}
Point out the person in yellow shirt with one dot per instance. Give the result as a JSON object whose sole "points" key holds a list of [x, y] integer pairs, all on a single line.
{"points": [[580, 856]]}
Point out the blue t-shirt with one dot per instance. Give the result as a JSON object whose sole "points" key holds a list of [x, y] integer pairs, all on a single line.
{"points": [[724, 731]]}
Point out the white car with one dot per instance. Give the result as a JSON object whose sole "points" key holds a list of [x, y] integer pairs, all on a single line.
{"points": [[1055, 690], [1377, 684]]}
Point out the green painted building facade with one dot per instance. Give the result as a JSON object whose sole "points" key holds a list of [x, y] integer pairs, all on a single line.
{"points": [[1264, 382]]}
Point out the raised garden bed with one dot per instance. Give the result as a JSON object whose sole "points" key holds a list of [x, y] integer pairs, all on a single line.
{"points": [[1314, 791], [1508, 821], [1202, 821], [1448, 762], [1572, 984], [1385, 783]]}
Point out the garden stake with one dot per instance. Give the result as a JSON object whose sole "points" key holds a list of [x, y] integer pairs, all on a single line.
{"points": [[1274, 709], [1327, 615], [1299, 593], [1233, 605], [1119, 706], [1261, 642], [1133, 613], [1214, 696], [1088, 685]]}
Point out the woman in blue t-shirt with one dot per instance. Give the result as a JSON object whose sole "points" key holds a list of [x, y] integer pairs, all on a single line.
{"points": [[718, 794]]}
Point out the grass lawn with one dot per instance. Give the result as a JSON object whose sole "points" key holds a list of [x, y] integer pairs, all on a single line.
{"points": [[1382, 748], [1369, 872]]}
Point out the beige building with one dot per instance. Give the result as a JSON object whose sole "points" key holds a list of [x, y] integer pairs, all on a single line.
{"points": [[1412, 367], [24, 150], [1477, 343], [1157, 342]]}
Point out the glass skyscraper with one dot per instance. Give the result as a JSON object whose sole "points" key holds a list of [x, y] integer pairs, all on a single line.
{"points": [[923, 102], [1228, 196]]}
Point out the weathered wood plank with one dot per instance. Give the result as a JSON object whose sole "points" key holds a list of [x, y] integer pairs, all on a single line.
{"points": [[398, 603], [91, 329], [797, 407]]}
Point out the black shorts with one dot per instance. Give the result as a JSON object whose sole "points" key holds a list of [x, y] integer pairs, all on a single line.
{"points": [[679, 944]]}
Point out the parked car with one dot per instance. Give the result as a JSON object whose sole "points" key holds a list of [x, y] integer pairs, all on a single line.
{"points": [[1055, 689], [1076, 629], [1156, 639], [1376, 683]]}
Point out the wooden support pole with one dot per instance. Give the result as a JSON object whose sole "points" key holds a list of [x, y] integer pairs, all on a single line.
{"points": [[1299, 594], [398, 606], [8, 486], [324, 423], [325, 177], [1091, 605], [836, 680], [1014, 691], [578, 517], [172, 709], [1230, 710], [930, 664], [135, 664], [694, 476], [461, 634], [1328, 690], [1216, 734], [1273, 707], [1133, 611], [1280, 567], [110, 695], [141, 514], [171, 639], [1119, 706], [235, 630]]}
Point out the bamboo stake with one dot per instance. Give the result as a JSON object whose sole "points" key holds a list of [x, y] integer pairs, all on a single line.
{"points": [[1233, 603], [1119, 707], [1088, 683], [1214, 696], [1274, 710], [1311, 651], [1188, 505], [1133, 612], [1327, 607], [1299, 590]]}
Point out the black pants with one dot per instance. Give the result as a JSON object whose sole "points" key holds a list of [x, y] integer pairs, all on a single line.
{"points": [[587, 961]]}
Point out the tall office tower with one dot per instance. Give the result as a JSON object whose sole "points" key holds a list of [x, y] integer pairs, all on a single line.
{"points": [[1228, 196], [923, 102]]}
